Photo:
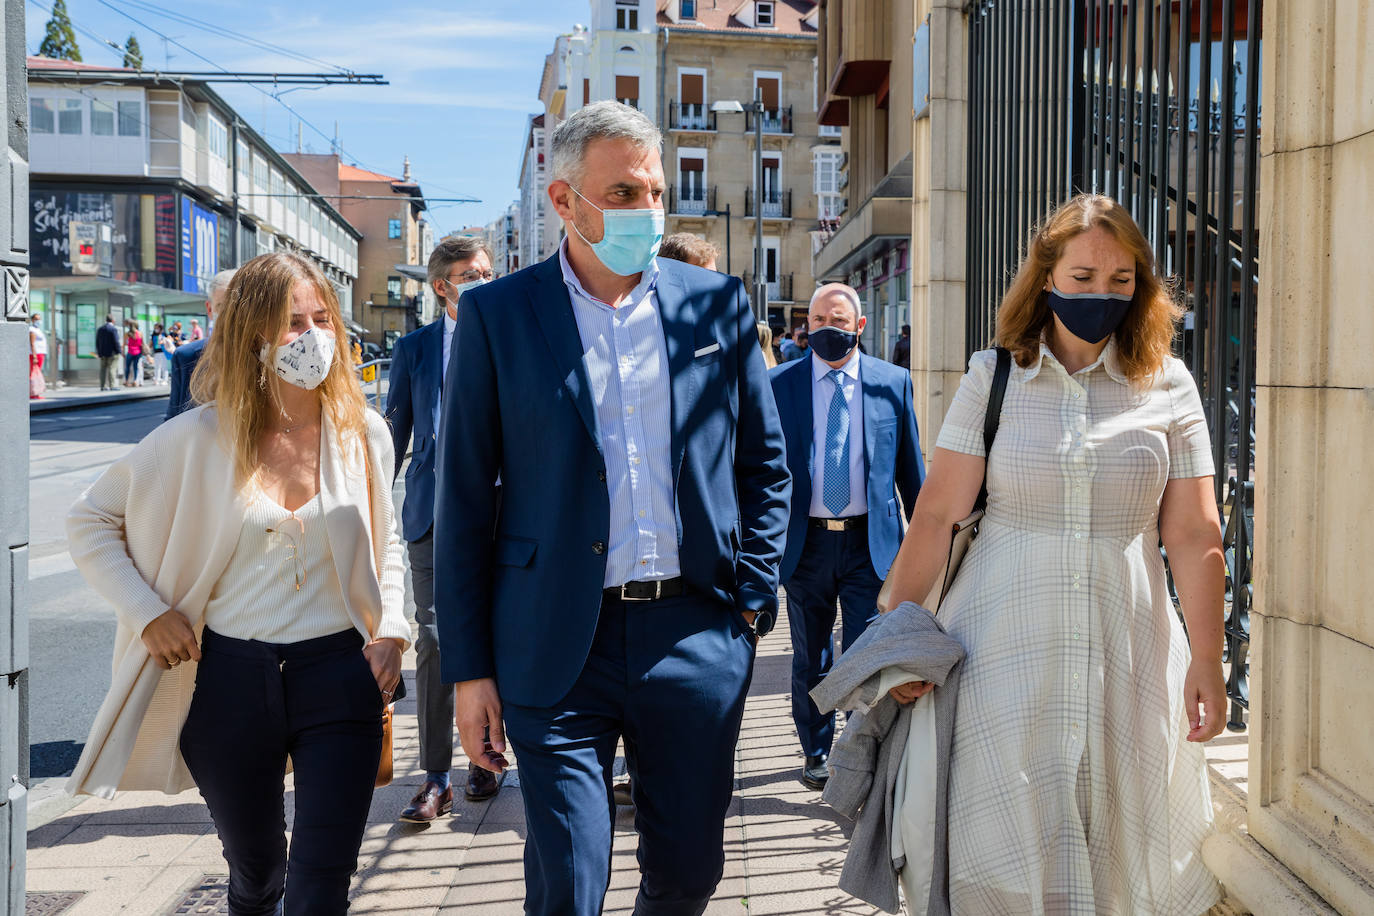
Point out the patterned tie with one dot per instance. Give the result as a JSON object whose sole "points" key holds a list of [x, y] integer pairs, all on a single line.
{"points": [[836, 495]]}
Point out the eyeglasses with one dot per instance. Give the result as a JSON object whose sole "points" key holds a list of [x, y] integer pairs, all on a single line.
{"points": [[290, 551], [468, 276]]}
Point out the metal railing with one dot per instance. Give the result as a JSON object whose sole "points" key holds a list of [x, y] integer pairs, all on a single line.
{"points": [[370, 373], [776, 204], [691, 201], [775, 120], [691, 116], [1157, 105], [779, 288]]}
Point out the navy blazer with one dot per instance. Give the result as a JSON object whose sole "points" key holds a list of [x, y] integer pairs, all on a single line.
{"points": [[517, 597], [184, 359], [892, 453], [413, 384]]}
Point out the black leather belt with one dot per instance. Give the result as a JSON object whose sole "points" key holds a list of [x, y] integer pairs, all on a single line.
{"points": [[647, 591], [839, 524]]}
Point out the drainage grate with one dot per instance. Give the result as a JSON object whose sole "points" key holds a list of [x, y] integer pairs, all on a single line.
{"points": [[209, 898], [50, 904]]}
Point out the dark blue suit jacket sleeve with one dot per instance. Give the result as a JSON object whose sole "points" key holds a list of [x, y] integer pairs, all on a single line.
{"points": [[762, 480], [469, 438], [184, 361], [399, 410], [911, 471]]}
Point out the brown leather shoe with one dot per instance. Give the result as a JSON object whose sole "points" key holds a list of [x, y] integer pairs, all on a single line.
{"points": [[482, 784], [428, 803]]}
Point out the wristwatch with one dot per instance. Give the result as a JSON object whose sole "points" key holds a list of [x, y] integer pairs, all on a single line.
{"points": [[763, 623]]}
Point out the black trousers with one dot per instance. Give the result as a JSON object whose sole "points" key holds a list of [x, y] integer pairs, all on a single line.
{"points": [[255, 704]]}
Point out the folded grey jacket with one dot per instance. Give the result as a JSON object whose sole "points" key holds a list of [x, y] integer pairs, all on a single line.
{"points": [[866, 759]]}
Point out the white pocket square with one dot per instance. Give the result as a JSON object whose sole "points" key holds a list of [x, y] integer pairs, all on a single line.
{"points": [[705, 350]]}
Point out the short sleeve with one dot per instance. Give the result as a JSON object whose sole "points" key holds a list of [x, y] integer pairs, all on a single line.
{"points": [[962, 430], [1190, 445]]}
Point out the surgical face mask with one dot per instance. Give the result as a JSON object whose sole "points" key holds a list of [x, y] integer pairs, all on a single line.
{"points": [[629, 240], [460, 288], [305, 361], [833, 344], [1088, 316]]}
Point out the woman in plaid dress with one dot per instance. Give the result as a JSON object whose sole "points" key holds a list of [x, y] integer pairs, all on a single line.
{"points": [[1077, 778]]}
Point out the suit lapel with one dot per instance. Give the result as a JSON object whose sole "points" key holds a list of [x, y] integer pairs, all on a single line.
{"points": [[680, 338], [553, 309], [429, 369], [806, 413], [870, 395]]}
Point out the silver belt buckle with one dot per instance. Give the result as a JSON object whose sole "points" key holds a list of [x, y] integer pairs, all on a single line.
{"points": [[658, 592], [834, 524]]}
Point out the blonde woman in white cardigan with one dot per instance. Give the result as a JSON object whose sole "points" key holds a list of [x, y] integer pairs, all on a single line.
{"points": [[260, 618]]}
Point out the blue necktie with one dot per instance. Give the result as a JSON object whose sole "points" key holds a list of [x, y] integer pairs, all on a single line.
{"points": [[836, 495]]}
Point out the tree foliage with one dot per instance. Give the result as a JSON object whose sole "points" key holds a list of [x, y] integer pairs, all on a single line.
{"points": [[133, 54], [59, 38]]}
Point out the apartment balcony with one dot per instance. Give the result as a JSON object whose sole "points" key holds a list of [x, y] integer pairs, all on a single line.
{"points": [[779, 288], [695, 116], [690, 201], [776, 204], [775, 121]]}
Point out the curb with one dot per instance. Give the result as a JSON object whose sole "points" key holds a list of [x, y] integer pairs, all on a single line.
{"points": [[50, 405]]}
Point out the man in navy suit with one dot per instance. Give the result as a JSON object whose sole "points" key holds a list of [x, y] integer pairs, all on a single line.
{"points": [[185, 357], [419, 367], [852, 446], [621, 587]]}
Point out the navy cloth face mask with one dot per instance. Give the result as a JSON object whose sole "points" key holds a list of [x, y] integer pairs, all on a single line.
{"points": [[832, 344], [1088, 316]]}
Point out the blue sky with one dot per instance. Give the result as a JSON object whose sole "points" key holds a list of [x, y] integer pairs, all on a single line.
{"points": [[464, 75]]}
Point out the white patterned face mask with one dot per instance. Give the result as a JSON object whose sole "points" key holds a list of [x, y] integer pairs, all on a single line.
{"points": [[305, 361]]}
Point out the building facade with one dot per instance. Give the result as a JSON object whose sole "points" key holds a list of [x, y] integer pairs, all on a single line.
{"points": [[863, 87], [503, 240], [396, 240], [710, 54], [534, 184], [142, 189]]}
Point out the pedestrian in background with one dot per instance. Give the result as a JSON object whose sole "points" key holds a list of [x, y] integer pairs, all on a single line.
{"points": [[38, 353], [109, 349], [901, 350], [788, 346], [620, 588], [182, 363], [689, 249], [275, 533], [852, 448], [1070, 776], [419, 371], [133, 357], [765, 334], [196, 332], [156, 343]]}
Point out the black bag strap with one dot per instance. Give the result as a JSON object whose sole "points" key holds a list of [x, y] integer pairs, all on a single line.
{"points": [[993, 417]]}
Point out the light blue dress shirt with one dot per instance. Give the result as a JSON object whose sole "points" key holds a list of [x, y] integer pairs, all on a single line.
{"points": [[822, 392], [626, 358]]}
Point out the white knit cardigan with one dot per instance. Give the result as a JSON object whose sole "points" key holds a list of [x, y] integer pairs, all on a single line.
{"points": [[156, 531]]}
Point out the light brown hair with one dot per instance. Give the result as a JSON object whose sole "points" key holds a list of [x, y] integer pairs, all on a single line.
{"points": [[683, 246], [450, 251], [1144, 336], [245, 391]]}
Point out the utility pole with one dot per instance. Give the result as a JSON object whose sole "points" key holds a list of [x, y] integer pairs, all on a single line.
{"points": [[14, 480], [760, 270]]}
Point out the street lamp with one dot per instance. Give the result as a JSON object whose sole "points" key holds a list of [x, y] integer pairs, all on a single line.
{"points": [[760, 274]]}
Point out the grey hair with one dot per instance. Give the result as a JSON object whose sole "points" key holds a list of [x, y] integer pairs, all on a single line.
{"points": [[220, 281], [608, 120], [844, 290]]}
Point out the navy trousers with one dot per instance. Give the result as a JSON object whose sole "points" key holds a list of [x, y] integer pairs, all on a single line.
{"points": [[834, 565], [670, 676], [254, 704]]}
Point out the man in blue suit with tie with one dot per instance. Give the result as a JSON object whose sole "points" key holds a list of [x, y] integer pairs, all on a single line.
{"points": [[632, 565], [419, 367], [852, 446]]}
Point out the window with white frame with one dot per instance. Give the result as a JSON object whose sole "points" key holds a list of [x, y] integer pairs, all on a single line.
{"points": [[692, 95], [691, 172], [42, 115], [627, 15], [102, 119], [260, 174], [131, 119], [217, 137], [763, 14], [826, 182], [687, 9], [69, 112]]}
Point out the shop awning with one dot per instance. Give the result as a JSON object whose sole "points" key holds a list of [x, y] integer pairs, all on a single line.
{"points": [[142, 293]]}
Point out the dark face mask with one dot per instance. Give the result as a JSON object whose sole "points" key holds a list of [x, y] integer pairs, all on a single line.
{"points": [[1088, 316], [833, 344]]}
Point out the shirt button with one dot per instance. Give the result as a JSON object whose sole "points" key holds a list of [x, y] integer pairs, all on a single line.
{"points": [[1077, 527], [1078, 535], [635, 460], [1075, 577], [630, 410], [598, 547], [641, 513], [601, 476]]}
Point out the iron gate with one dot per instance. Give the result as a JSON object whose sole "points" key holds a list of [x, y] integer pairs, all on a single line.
{"points": [[1155, 103]]}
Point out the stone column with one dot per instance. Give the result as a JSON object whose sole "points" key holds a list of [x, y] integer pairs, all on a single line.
{"points": [[938, 259], [1311, 801]]}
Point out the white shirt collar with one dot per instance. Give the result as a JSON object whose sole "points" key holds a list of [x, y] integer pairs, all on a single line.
{"points": [[1109, 359], [648, 280], [820, 369], [449, 323]]}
